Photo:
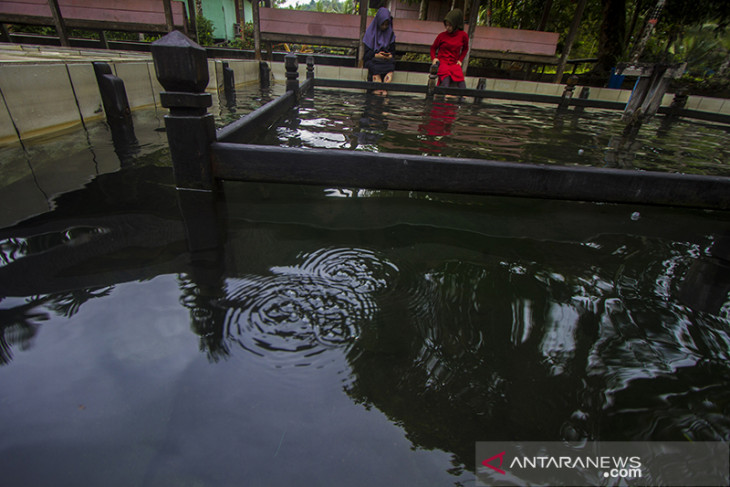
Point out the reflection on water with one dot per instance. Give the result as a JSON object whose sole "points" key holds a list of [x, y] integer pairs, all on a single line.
{"points": [[504, 132], [334, 330]]}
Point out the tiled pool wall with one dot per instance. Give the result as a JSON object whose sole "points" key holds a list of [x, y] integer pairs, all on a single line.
{"points": [[44, 97]]}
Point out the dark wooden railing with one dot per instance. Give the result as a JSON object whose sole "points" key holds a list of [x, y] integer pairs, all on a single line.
{"points": [[201, 157]]}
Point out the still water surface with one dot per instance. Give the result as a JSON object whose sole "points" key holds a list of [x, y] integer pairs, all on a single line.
{"points": [[502, 131], [339, 336]]}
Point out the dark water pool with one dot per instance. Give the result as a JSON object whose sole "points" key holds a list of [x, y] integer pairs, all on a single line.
{"points": [[502, 131], [340, 336]]}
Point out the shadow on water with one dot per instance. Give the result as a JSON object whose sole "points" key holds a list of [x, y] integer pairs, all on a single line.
{"points": [[460, 319]]}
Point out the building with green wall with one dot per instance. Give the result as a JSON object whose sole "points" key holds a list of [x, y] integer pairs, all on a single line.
{"points": [[225, 16]]}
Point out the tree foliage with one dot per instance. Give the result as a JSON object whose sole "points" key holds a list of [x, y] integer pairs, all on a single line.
{"points": [[335, 6]]}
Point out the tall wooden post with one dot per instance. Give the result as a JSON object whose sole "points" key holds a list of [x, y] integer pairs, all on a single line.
{"points": [[182, 69], [363, 10], [58, 22], [256, 29]]}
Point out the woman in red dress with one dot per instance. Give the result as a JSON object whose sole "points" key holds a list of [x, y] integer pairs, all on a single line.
{"points": [[449, 50]]}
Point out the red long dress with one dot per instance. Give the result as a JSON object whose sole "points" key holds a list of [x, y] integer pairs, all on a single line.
{"points": [[451, 47]]}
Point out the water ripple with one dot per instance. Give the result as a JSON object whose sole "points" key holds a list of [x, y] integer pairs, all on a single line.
{"points": [[360, 269], [307, 308]]}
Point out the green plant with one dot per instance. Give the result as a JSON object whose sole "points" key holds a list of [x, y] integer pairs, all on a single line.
{"points": [[205, 30], [416, 57]]}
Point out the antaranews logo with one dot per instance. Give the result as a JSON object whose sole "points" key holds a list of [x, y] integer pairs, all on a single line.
{"points": [[599, 463], [613, 467], [487, 463]]}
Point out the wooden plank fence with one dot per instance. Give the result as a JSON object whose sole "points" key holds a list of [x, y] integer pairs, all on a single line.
{"points": [[344, 30], [150, 16]]}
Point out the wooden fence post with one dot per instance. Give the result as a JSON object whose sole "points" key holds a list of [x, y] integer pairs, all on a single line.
{"points": [[182, 69], [58, 22], [432, 79], [568, 92], [291, 64], [310, 67], [481, 85], [168, 15], [363, 11]]}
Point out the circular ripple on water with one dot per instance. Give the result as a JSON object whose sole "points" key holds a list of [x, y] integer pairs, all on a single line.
{"points": [[361, 270], [294, 314]]}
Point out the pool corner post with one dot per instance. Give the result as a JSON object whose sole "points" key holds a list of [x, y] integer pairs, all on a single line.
{"points": [[181, 66]]}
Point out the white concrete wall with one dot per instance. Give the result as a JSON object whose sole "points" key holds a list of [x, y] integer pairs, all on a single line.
{"points": [[41, 98]]}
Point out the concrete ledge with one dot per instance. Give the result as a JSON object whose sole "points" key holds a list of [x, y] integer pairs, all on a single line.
{"points": [[39, 98], [86, 90], [8, 135], [137, 83]]}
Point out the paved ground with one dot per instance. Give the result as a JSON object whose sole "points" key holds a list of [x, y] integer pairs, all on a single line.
{"points": [[27, 53]]}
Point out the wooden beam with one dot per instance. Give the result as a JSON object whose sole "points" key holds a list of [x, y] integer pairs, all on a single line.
{"points": [[647, 69], [87, 24], [58, 22], [258, 120], [168, 15], [243, 162], [304, 39], [486, 54], [476, 93]]}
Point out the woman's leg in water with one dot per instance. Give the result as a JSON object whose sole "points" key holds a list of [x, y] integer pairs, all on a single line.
{"points": [[448, 83]]}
